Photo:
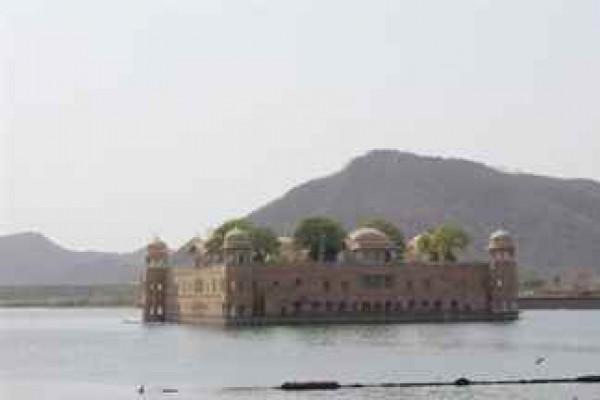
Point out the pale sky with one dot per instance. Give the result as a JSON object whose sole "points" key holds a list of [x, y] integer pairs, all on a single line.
{"points": [[125, 119]]}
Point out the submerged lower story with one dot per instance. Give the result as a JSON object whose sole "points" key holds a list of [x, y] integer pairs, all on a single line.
{"points": [[327, 294], [366, 284]]}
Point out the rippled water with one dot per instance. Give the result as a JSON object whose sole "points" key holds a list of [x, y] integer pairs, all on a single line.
{"points": [[104, 354]]}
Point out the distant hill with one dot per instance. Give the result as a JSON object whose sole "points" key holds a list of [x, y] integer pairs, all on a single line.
{"points": [[555, 221], [32, 259]]}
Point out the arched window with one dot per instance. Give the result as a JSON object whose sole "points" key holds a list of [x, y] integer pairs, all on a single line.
{"points": [[454, 305], [389, 254], [398, 307], [366, 307], [198, 286], [427, 284], [437, 305], [388, 306], [315, 306], [241, 309]]}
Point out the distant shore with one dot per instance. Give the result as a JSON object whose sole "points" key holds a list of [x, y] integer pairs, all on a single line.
{"points": [[68, 296], [125, 295]]}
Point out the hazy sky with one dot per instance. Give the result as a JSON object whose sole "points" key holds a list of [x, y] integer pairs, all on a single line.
{"points": [[124, 119]]}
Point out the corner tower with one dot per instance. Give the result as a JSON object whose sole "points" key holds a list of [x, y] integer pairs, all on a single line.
{"points": [[157, 253], [157, 257], [503, 285]]}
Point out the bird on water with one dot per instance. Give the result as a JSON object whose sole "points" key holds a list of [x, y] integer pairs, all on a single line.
{"points": [[540, 360]]}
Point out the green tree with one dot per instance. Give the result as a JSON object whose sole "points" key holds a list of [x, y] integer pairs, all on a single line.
{"points": [[264, 243], [442, 242], [320, 233], [425, 245], [392, 232]]}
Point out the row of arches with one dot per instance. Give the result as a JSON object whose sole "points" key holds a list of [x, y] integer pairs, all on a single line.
{"points": [[352, 307], [389, 306]]}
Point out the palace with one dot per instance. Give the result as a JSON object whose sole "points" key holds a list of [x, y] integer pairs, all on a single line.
{"points": [[364, 285]]}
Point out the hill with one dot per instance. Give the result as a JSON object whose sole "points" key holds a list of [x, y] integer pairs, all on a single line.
{"points": [[556, 221], [32, 259]]}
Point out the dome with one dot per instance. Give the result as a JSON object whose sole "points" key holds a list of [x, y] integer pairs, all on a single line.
{"points": [[237, 239], [194, 246], [157, 245], [501, 234], [157, 252], [368, 238], [501, 239]]}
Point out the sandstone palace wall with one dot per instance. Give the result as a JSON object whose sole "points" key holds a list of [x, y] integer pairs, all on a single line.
{"points": [[239, 292]]}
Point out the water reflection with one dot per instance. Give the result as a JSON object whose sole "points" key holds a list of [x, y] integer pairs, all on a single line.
{"points": [[69, 349]]}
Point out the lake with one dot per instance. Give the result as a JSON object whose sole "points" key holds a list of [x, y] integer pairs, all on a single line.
{"points": [[105, 353]]}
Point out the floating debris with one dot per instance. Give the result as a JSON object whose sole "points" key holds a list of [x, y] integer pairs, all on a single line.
{"points": [[329, 385], [332, 385]]}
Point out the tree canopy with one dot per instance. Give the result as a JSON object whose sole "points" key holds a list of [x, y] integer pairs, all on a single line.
{"points": [[318, 234], [264, 243], [264, 240], [442, 243], [392, 232]]}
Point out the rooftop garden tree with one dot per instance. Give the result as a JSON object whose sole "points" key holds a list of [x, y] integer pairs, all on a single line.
{"points": [[264, 243], [323, 237], [442, 243]]}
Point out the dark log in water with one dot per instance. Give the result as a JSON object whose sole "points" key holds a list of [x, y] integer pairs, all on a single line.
{"points": [[310, 386], [330, 385]]}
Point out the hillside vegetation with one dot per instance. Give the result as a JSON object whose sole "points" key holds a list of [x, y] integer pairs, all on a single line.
{"points": [[556, 222]]}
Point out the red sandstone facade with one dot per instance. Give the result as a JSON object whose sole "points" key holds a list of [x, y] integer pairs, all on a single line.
{"points": [[363, 287]]}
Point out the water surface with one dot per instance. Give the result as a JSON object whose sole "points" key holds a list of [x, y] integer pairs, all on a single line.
{"points": [[104, 354]]}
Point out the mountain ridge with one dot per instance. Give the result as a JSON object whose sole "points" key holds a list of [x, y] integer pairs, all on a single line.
{"points": [[32, 259], [555, 220]]}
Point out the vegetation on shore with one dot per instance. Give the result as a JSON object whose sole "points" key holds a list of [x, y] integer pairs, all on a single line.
{"points": [[68, 296]]}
